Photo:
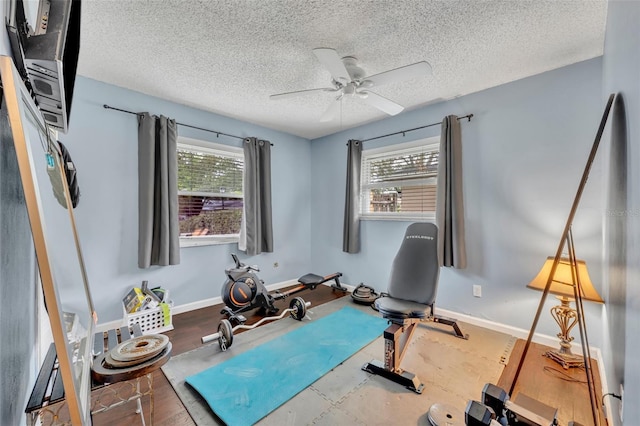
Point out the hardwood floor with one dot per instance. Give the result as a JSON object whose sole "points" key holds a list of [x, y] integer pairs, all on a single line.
{"points": [[547, 382], [189, 327]]}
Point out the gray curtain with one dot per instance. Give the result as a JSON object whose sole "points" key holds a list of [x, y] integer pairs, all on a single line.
{"points": [[449, 203], [159, 231], [257, 233], [351, 229]]}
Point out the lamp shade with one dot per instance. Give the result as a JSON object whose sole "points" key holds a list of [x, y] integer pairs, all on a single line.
{"points": [[563, 282]]}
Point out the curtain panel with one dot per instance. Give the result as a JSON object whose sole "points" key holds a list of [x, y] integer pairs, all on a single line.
{"points": [[351, 228], [449, 202], [256, 234], [158, 228]]}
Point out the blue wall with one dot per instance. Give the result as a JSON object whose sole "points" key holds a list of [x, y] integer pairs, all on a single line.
{"points": [[523, 156], [18, 283], [103, 144], [621, 74]]}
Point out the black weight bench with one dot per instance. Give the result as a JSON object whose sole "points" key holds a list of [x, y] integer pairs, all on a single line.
{"points": [[47, 397]]}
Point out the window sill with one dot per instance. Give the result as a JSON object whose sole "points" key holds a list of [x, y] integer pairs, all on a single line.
{"points": [[208, 241], [400, 217]]}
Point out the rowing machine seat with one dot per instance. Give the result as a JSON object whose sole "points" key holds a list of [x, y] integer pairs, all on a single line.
{"points": [[413, 285], [311, 279], [314, 280]]}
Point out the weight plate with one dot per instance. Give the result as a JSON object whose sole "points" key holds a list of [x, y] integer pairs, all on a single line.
{"points": [[109, 362], [442, 414], [299, 308], [226, 334], [364, 294], [101, 373], [142, 347]]}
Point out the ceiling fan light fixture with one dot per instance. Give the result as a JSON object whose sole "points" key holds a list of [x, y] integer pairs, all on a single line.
{"points": [[349, 89], [348, 79]]}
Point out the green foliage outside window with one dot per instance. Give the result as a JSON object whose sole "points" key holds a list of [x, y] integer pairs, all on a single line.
{"points": [[210, 193]]}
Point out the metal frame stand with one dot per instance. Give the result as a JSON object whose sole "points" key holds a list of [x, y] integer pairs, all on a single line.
{"points": [[396, 341]]}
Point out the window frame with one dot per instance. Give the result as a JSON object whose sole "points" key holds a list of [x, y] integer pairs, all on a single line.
{"points": [[213, 148], [432, 144]]}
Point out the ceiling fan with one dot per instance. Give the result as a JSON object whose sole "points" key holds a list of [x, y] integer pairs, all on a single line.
{"points": [[349, 80]]}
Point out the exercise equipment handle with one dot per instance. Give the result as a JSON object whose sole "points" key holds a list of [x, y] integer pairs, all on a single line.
{"points": [[210, 338]]}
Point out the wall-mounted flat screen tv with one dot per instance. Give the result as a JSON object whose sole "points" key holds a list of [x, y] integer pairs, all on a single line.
{"points": [[45, 43]]}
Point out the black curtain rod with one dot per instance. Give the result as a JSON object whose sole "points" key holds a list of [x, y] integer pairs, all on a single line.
{"points": [[181, 124], [468, 117]]}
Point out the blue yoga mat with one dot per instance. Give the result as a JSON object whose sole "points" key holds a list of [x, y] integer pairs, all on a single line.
{"points": [[247, 387]]}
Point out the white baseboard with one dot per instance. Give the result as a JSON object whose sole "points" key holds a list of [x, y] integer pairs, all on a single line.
{"points": [[520, 333]]}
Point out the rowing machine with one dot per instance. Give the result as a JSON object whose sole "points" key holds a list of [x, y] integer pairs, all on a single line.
{"points": [[297, 310], [244, 290]]}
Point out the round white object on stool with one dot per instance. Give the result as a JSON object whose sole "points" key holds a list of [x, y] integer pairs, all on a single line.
{"points": [[139, 348], [445, 415]]}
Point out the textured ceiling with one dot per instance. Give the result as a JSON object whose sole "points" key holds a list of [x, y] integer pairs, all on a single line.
{"points": [[229, 56]]}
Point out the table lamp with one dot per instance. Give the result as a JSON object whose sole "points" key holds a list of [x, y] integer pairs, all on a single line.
{"points": [[562, 285]]}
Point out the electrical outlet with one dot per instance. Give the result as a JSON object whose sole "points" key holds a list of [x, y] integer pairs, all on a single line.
{"points": [[477, 290], [621, 401]]}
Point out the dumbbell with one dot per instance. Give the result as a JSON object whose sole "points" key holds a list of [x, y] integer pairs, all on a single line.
{"points": [[297, 310], [495, 398], [497, 409], [478, 414]]}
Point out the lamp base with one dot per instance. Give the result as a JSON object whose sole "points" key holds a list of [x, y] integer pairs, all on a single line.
{"points": [[567, 360]]}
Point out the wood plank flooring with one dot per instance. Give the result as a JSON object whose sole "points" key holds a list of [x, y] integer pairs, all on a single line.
{"points": [[189, 327], [546, 381]]}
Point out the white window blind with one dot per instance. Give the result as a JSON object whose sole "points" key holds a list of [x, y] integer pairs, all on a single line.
{"points": [[400, 181], [208, 171], [209, 192]]}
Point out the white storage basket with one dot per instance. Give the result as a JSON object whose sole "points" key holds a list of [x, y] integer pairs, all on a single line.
{"points": [[151, 321]]}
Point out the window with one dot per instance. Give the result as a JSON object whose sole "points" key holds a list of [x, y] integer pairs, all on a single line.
{"points": [[209, 192], [399, 182]]}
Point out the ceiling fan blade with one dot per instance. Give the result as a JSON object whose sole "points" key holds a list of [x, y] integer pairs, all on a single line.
{"points": [[332, 62], [382, 103], [332, 112], [287, 95], [419, 69]]}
